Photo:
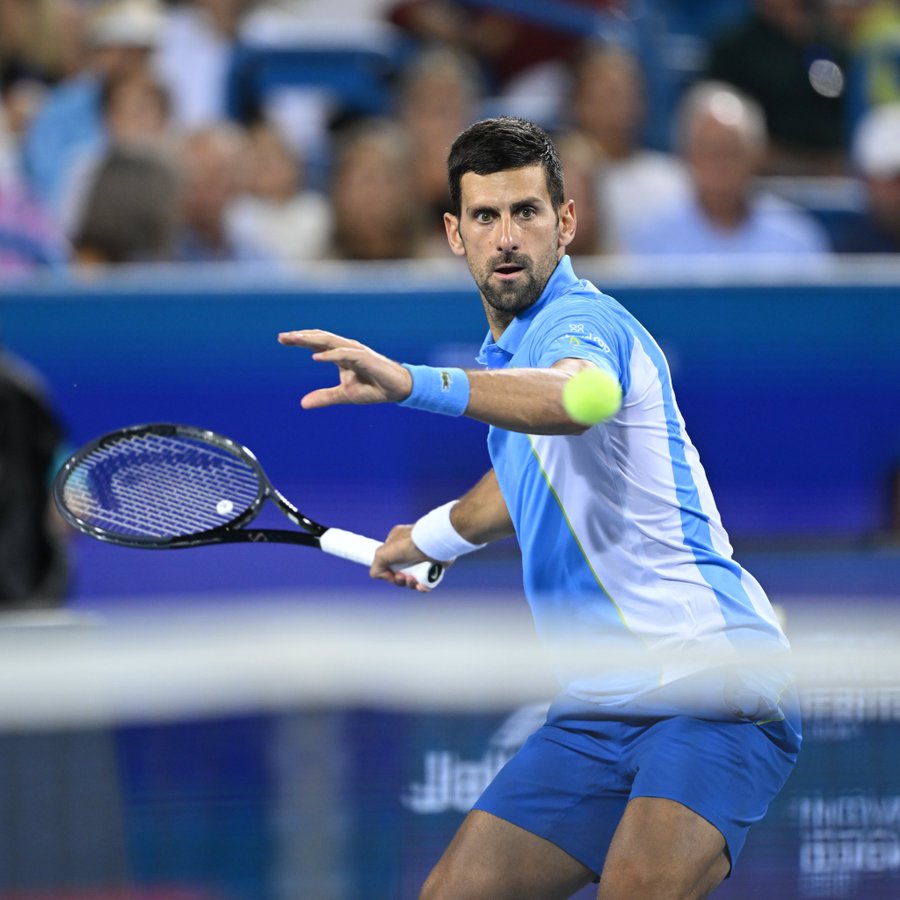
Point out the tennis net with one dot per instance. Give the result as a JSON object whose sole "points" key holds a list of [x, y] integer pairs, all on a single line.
{"points": [[283, 747]]}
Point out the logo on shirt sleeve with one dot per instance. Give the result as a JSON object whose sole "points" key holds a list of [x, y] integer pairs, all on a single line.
{"points": [[578, 335]]}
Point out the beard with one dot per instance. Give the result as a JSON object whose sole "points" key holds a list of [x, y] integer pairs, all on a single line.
{"points": [[509, 299]]}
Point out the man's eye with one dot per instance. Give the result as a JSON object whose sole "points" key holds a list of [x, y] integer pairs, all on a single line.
{"points": [[483, 217], [527, 212]]}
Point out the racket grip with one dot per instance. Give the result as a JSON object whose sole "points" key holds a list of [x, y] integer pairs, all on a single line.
{"points": [[361, 550]]}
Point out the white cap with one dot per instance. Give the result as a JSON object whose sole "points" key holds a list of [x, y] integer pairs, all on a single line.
{"points": [[127, 23], [876, 144]]}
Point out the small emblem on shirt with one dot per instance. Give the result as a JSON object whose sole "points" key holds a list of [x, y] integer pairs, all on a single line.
{"points": [[587, 337]]}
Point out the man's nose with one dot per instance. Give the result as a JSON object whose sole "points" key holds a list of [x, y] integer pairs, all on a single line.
{"points": [[508, 236]]}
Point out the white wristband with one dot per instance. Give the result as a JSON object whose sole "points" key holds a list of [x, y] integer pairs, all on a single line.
{"points": [[436, 537]]}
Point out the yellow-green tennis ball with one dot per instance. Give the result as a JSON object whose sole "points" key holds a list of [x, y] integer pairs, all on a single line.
{"points": [[591, 396]]}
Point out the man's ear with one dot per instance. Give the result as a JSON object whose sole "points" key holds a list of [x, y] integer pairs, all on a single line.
{"points": [[567, 223], [451, 226]]}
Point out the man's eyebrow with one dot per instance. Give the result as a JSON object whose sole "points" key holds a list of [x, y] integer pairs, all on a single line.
{"points": [[528, 201], [480, 208], [515, 206]]}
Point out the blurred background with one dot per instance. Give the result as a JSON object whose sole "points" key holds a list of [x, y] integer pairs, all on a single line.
{"points": [[180, 181]]}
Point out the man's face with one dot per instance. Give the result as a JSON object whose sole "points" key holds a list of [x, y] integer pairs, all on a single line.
{"points": [[511, 236], [721, 160]]}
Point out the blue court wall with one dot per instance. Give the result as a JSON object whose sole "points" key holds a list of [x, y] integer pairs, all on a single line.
{"points": [[791, 391]]}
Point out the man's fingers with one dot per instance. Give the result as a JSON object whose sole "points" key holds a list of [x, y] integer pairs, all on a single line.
{"points": [[400, 579], [314, 339], [324, 397], [393, 555], [329, 348], [349, 357], [366, 376]]}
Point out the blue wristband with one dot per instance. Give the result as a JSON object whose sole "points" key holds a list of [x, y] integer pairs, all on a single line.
{"points": [[438, 390]]}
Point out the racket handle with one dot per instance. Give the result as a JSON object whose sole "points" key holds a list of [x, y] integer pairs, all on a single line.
{"points": [[361, 550]]}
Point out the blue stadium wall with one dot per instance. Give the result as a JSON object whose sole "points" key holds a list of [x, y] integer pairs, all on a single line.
{"points": [[790, 390]]}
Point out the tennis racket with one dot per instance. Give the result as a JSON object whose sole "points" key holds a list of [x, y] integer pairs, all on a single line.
{"points": [[166, 486]]}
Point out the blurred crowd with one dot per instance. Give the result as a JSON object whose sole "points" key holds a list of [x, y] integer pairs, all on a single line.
{"points": [[281, 131]]}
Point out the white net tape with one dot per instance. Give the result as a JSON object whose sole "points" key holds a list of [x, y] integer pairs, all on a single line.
{"points": [[271, 653]]}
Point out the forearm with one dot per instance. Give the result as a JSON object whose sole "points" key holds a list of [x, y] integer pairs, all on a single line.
{"points": [[481, 515], [524, 400], [445, 533]]}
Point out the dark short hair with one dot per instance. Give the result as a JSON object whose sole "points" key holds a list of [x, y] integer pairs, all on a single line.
{"points": [[131, 209], [495, 145]]}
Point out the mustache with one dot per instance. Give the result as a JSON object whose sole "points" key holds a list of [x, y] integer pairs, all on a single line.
{"points": [[510, 258]]}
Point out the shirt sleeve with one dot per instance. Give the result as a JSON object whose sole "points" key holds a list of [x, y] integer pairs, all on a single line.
{"points": [[583, 330]]}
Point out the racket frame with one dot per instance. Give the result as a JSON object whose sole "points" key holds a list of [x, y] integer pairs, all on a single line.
{"points": [[338, 542], [224, 533]]}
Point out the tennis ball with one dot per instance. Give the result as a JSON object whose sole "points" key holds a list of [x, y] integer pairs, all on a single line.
{"points": [[591, 396]]}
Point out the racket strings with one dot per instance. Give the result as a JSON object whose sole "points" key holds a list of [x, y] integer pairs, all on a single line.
{"points": [[160, 486]]}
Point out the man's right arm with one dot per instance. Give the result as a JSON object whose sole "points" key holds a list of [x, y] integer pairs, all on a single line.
{"points": [[480, 516]]}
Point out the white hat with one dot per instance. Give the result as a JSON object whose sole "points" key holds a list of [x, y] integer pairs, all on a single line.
{"points": [[876, 144], [127, 23]]}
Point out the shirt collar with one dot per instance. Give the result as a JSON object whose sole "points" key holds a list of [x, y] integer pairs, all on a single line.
{"points": [[495, 354]]}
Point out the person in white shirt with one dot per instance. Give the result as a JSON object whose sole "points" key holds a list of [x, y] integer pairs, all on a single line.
{"points": [[722, 135], [607, 104]]}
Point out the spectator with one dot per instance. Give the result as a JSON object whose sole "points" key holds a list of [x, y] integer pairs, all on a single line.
{"points": [[857, 18], [40, 44], [873, 30], [869, 24], [723, 141], [40, 40], [29, 241], [210, 168], [578, 158], [136, 114], [33, 564], [607, 105], [377, 211], [290, 223], [121, 37], [137, 111], [22, 100], [784, 57], [876, 155], [438, 98], [130, 211]]}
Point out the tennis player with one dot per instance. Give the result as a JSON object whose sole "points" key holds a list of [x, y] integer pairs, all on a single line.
{"points": [[645, 778]]}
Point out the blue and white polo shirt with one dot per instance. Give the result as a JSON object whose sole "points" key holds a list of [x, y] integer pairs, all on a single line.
{"points": [[621, 540]]}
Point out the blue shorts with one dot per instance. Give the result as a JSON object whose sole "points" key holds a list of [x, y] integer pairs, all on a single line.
{"points": [[571, 780]]}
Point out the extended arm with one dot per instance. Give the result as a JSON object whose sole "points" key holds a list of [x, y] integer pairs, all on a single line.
{"points": [[526, 400]]}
